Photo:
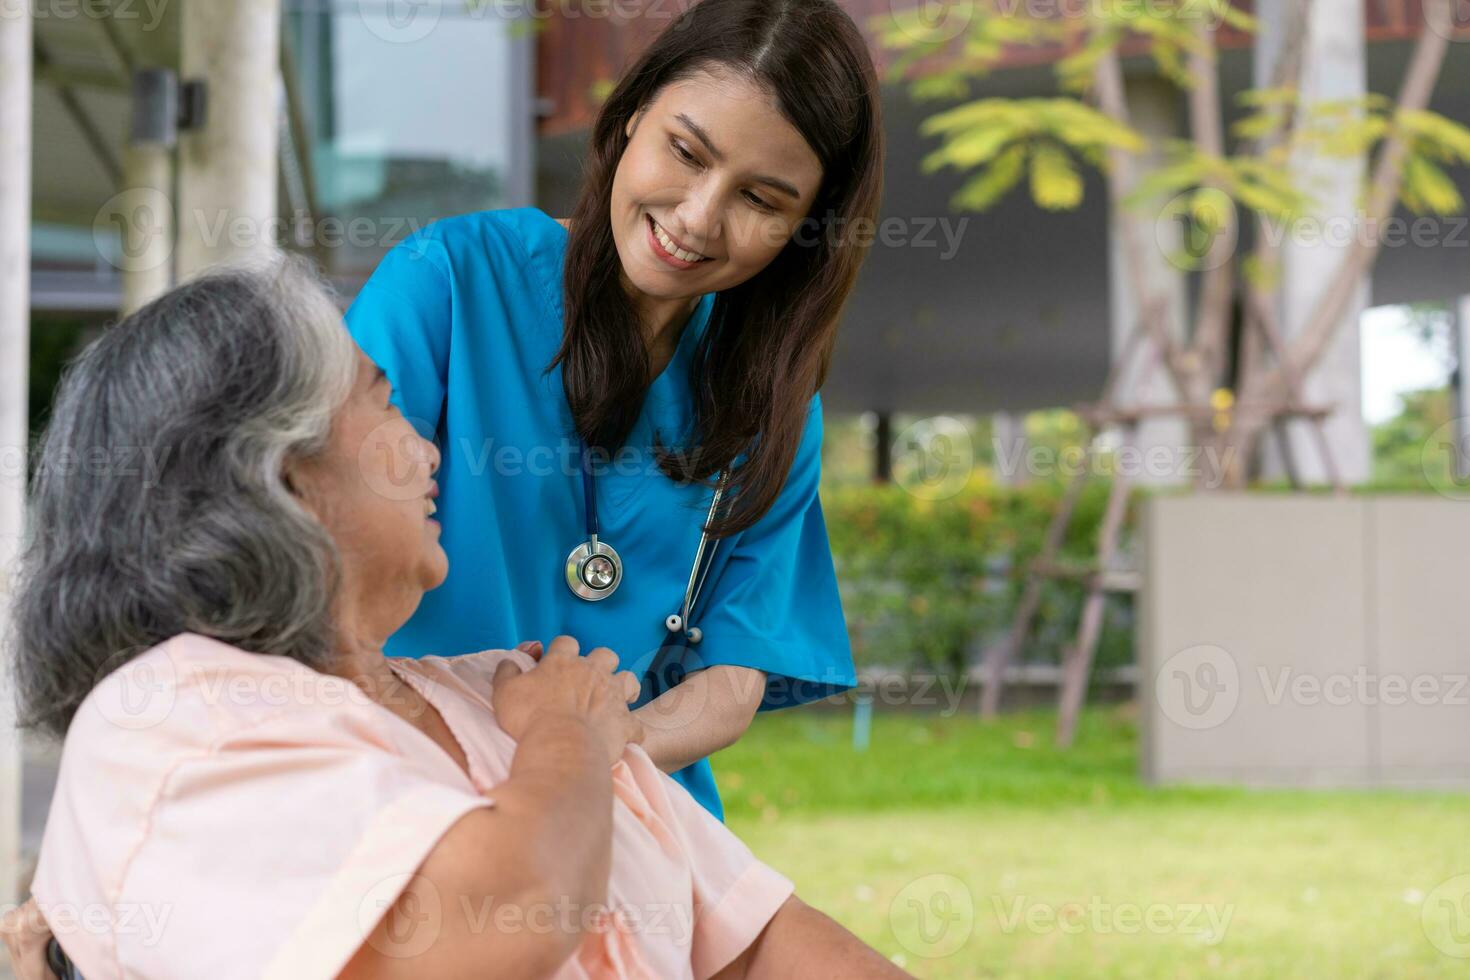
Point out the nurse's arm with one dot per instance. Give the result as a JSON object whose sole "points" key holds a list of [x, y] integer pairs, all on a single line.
{"points": [[709, 711], [799, 941]]}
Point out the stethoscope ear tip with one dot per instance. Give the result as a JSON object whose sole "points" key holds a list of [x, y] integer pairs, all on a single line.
{"points": [[674, 623]]}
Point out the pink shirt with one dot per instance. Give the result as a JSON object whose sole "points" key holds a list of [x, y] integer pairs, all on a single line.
{"points": [[221, 814]]}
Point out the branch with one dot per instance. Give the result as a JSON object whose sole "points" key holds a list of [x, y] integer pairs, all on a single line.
{"points": [[1212, 311], [1108, 87], [1287, 69]]}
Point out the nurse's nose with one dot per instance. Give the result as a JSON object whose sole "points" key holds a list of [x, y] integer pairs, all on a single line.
{"points": [[700, 217]]}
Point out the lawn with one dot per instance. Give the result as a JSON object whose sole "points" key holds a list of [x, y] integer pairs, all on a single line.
{"points": [[965, 849]]}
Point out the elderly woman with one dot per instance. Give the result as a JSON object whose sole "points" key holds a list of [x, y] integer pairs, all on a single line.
{"points": [[230, 519]]}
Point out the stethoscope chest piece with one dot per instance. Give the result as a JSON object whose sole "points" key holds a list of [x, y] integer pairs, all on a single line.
{"points": [[594, 570]]}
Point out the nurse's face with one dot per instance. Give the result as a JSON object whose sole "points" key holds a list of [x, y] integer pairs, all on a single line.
{"points": [[712, 186], [373, 488]]}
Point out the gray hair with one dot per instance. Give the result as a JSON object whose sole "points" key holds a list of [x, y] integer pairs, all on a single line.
{"points": [[159, 503]]}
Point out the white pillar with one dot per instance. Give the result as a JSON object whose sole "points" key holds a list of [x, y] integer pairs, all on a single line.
{"points": [[1154, 109], [1333, 68], [145, 264], [228, 168], [1009, 445], [15, 328]]}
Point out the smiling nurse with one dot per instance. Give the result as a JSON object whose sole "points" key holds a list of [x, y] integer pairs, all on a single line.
{"points": [[605, 390]]}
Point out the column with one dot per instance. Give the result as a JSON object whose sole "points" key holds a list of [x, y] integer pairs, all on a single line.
{"points": [[15, 328], [228, 167], [1155, 110], [1334, 67]]}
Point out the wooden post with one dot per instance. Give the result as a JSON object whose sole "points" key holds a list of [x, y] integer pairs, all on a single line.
{"points": [[1460, 464], [228, 167], [15, 329], [883, 449]]}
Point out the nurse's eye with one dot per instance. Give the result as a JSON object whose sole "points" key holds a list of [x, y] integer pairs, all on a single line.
{"points": [[683, 151], [758, 202]]}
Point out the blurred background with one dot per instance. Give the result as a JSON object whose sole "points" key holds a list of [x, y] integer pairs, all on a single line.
{"points": [[1146, 458]]}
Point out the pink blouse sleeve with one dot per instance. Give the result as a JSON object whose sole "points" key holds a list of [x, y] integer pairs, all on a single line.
{"points": [[735, 894]]}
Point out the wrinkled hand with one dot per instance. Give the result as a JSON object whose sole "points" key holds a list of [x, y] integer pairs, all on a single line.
{"points": [[25, 933], [565, 683]]}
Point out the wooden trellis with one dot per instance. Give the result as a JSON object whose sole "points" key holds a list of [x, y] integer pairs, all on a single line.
{"points": [[1101, 575]]}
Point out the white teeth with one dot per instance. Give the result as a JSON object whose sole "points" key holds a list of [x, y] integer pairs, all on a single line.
{"points": [[433, 508], [674, 250]]}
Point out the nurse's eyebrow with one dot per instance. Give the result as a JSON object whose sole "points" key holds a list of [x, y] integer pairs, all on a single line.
{"points": [[714, 151]]}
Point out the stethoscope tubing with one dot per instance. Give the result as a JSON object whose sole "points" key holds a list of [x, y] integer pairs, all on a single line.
{"points": [[698, 570]]}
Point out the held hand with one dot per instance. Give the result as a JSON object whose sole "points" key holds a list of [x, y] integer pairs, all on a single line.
{"points": [[564, 683], [25, 933]]}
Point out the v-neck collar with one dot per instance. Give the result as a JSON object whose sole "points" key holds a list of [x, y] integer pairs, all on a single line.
{"points": [[476, 775], [668, 407]]}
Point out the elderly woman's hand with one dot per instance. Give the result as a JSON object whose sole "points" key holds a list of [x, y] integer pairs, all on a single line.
{"points": [[565, 683], [25, 933]]}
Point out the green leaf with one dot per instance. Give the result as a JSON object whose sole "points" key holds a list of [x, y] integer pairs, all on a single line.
{"points": [[1055, 183], [941, 85], [983, 190], [1429, 190], [1446, 134], [971, 149]]}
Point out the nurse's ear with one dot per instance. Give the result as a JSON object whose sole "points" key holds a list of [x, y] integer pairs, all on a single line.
{"points": [[632, 125]]}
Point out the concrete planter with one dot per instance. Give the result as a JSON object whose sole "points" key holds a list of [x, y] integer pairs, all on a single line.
{"points": [[1305, 641]]}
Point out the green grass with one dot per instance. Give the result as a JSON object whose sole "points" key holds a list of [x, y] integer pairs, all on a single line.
{"points": [[956, 847]]}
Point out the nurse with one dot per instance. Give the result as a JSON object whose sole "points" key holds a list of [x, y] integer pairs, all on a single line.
{"points": [[612, 372]]}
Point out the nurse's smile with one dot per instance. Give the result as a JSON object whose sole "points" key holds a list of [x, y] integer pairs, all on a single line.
{"points": [[666, 247]]}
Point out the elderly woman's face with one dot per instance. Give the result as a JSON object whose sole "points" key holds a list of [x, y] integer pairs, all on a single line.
{"points": [[373, 488]]}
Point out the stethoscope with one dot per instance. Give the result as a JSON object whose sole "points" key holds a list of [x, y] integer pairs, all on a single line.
{"points": [[594, 570]]}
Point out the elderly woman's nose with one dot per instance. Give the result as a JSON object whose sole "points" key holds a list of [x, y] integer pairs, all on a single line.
{"points": [[431, 454]]}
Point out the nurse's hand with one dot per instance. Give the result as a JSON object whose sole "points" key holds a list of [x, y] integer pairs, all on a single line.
{"points": [[588, 689]]}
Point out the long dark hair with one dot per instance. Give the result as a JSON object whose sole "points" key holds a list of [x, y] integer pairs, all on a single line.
{"points": [[766, 350]]}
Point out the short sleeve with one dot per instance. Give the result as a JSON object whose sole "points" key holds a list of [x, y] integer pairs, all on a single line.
{"points": [[775, 605], [287, 841], [403, 319], [735, 894]]}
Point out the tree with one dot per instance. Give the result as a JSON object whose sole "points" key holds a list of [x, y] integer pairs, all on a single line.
{"points": [[1045, 141]]}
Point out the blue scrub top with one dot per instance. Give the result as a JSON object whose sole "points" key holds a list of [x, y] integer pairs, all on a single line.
{"points": [[464, 316]]}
